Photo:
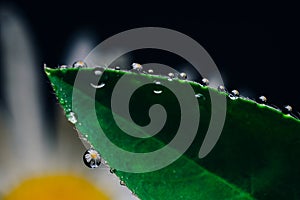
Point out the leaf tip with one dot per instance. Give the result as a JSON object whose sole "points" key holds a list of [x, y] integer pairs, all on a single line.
{"points": [[48, 70]]}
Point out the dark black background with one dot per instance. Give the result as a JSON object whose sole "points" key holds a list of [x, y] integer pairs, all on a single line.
{"points": [[256, 51]]}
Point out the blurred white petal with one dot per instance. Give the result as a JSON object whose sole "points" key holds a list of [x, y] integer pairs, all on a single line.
{"points": [[21, 89]]}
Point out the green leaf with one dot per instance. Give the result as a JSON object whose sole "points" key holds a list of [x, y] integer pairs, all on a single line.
{"points": [[256, 157]]}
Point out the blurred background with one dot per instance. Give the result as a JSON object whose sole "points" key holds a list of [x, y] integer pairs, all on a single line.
{"points": [[255, 55]]}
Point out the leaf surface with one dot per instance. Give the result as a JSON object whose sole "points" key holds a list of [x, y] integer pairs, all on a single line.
{"points": [[256, 156]]}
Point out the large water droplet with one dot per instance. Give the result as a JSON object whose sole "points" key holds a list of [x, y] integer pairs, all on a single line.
{"points": [[150, 71], [117, 68], [72, 117], [205, 82], [91, 158], [101, 85], [79, 64]]}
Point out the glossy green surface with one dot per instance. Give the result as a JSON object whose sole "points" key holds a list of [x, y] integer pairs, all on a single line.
{"points": [[256, 157]]}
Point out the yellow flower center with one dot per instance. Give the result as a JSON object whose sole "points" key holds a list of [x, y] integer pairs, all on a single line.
{"points": [[56, 187], [94, 155]]}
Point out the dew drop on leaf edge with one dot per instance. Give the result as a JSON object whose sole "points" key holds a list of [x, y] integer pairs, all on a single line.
{"points": [[79, 64], [287, 109], [122, 183], [262, 99], [221, 88], [182, 76], [72, 117], [205, 81]]}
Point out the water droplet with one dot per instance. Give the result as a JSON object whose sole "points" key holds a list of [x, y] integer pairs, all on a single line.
{"points": [[287, 109], [122, 183], [182, 76], [205, 81], [79, 64], [221, 88], [86, 135], [200, 96], [137, 66], [101, 85], [72, 117], [98, 71], [150, 71], [91, 158], [157, 90], [117, 68], [262, 99], [235, 93], [112, 170], [171, 75], [63, 67]]}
